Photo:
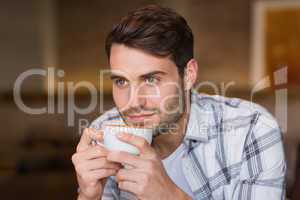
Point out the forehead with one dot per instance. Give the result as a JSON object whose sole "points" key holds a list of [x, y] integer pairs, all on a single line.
{"points": [[134, 62]]}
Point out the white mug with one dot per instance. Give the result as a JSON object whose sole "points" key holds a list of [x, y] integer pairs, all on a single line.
{"points": [[111, 141]]}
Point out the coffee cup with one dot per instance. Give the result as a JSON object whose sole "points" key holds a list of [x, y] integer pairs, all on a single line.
{"points": [[111, 141]]}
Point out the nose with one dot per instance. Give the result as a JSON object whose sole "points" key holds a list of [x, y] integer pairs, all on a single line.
{"points": [[137, 98]]}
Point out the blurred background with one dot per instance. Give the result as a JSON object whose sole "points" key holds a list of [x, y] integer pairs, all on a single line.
{"points": [[249, 47]]}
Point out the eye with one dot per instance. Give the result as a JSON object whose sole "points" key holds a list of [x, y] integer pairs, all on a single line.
{"points": [[120, 82], [151, 80]]}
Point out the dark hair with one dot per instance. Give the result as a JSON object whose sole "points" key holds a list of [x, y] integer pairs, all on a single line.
{"points": [[156, 30]]}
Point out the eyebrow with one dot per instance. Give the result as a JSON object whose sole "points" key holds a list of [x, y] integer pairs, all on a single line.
{"points": [[152, 73], [116, 76]]}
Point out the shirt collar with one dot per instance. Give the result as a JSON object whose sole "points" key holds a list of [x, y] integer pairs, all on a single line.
{"points": [[199, 118]]}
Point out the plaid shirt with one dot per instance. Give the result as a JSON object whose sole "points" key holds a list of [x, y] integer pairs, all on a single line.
{"points": [[235, 151]]}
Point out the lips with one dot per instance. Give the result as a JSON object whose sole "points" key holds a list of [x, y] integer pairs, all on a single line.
{"points": [[139, 117]]}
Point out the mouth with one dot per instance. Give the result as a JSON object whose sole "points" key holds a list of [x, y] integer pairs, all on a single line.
{"points": [[140, 117]]}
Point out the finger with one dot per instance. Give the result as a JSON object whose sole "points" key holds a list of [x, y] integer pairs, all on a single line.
{"points": [[92, 153], [96, 152], [128, 186], [85, 140], [87, 137], [125, 158], [137, 141], [99, 137], [98, 174], [129, 175], [102, 163]]}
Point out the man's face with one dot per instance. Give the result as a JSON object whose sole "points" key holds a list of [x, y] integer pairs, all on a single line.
{"points": [[147, 90]]}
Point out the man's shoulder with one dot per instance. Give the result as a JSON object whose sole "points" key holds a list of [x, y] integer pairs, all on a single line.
{"points": [[109, 115], [233, 109], [243, 138], [238, 127]]}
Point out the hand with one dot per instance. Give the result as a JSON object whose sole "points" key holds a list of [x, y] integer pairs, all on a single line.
{"points": [[146, 176], [92, 167]]}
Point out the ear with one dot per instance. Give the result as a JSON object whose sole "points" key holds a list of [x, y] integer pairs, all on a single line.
{"points": [[190, 74]]}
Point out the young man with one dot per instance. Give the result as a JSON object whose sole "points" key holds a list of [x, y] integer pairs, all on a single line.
{"points": [[204, 147]]}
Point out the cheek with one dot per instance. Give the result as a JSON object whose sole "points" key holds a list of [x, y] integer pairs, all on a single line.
{"points": [[121, 98], [165, 95], [169, 92]]}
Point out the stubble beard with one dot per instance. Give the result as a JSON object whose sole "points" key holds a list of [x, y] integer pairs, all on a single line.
{"points": [[168, 120]]}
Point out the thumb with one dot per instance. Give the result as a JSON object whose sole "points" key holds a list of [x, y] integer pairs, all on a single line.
{"points": [[87, 137]]}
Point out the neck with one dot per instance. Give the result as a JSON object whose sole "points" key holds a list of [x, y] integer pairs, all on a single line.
{"points": [[167, 143]]}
